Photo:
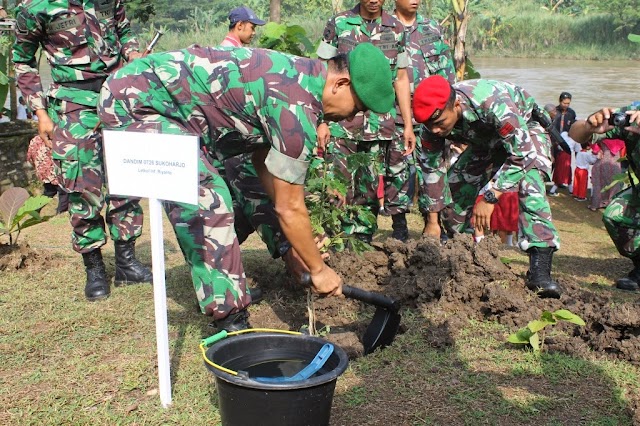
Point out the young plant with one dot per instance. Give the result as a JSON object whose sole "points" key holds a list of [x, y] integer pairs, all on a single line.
{"points": [[326, 210], [529, 334], [287, 38], [18, 210]]}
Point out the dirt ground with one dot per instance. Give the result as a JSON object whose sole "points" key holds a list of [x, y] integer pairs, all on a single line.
{"points": [[448, 284], [474, 281]]}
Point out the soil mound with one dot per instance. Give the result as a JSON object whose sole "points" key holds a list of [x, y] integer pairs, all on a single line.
{"points": [[473, 282]]}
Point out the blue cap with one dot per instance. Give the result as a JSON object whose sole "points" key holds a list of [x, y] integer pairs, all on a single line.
{"points": [[244, 14]]}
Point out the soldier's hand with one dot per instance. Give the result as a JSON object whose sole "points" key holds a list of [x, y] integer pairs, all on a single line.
{"points": [[482, 215], [409, 140], [326, 282], [135, 55], [599, 120], [45, 127], [323, 135], [635, 122]]}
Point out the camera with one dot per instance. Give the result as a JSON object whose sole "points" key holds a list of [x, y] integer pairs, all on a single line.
{"points": [[620, 119]]}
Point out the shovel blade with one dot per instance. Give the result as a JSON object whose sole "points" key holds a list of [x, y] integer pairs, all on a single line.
{"points": [[382, 330]]}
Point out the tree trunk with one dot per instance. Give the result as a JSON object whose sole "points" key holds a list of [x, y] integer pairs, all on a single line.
{"points": [[461, 18], [274, 11]]}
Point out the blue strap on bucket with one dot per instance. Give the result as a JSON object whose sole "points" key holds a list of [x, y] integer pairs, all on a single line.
{"points": [[311, 369]]}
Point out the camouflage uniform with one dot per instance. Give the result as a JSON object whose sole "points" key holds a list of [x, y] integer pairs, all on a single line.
{"points": [[429, 54], [368, 132], [232, 99], [253, 209], [622, 215], [496, 121], [84, 42]]}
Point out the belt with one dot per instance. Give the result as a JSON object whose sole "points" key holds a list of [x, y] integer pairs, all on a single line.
{"points": [[92, 85]]}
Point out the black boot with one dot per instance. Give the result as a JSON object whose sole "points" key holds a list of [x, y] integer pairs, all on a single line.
{"points": [[97, 286], [630, 282], [400, 230], [234, 322], [128, 269], [539, 273], [256, 295]]}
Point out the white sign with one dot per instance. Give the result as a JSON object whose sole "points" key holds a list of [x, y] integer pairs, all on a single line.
{"points": [[159, 167], [152, 165]]}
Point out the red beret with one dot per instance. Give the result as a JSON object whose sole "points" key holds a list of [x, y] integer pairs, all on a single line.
{"points": [[430, 98]]}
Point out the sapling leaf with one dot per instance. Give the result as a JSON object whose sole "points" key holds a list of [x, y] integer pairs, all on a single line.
{"points": [[520, 337], [537, 325], [569, 316], [548, 316], [534, 341], [10, 203]]}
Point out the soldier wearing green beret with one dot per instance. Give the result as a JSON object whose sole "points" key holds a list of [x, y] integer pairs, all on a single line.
{"points": [[244, 100]]}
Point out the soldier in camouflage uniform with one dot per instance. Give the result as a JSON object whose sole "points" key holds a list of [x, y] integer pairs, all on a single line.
{"points": [[371, 133], [622, 215], [244, 100], [84, 41], [429, 54], [492, 118]]}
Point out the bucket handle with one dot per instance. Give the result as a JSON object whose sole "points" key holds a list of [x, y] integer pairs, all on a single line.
{"points": [[223, 334], [311, 369]]}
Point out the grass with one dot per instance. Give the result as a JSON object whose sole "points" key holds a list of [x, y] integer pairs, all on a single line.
{"points": [[66, 361]]}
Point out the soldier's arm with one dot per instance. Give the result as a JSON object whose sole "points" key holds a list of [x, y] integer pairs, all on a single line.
{"points": [[513, 129], [130, 48], [29, 34], [328, 47]]}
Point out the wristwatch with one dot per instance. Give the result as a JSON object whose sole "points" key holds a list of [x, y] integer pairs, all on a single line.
{"points": [[490, 197]]}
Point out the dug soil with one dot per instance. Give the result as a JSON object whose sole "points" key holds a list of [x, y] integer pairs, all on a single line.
{"points": [[461, 280]]}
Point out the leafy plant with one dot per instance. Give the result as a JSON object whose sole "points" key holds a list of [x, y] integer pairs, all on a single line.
{"points": [[18, 210], [327, 213], [529, 334], [286, 38]]}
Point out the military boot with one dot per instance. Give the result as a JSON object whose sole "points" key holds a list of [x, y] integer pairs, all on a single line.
{"points": [[128, 269], [233, 322], [399, 226], [539, 273], [97, 287], [631, 281]]}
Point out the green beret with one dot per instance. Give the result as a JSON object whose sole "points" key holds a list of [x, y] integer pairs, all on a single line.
{"points": [[371, 78]]}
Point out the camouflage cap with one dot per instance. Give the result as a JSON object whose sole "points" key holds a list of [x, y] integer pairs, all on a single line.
{"points": [[371, 78]]}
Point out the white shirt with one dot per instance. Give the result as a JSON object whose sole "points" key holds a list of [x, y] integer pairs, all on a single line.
{"points": [[22, 112]]}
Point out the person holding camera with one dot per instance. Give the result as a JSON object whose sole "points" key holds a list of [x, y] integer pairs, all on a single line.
{"points": [[622, 216]]}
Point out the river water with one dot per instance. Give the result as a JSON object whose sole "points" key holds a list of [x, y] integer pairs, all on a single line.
{"points": [[592, 84]]}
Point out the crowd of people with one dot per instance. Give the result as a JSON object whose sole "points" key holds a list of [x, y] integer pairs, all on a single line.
{"points": [[384, 84]]}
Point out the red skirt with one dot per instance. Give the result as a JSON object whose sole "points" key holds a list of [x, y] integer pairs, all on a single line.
{"points": [[562, 169], [505, 213], [580, 183]]}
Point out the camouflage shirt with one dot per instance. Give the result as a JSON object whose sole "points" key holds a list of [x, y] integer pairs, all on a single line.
{"points": [[631, 140], [82, 40], [497, 114], [341, 35], [428, 53], [235, 99]]}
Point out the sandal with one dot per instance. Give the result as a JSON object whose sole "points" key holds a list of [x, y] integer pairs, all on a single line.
{"points": [[593, 209]]}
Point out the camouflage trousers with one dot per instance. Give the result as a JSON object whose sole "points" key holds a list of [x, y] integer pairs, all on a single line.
{"points": [[622, 220], [77, 155], [361, 177], [466, 179], [205, 232], [427, 161], [386, 158], [253, 209], [396, 176]]}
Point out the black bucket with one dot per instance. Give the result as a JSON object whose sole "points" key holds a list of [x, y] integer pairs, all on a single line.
{"points": [[244, 401]]}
